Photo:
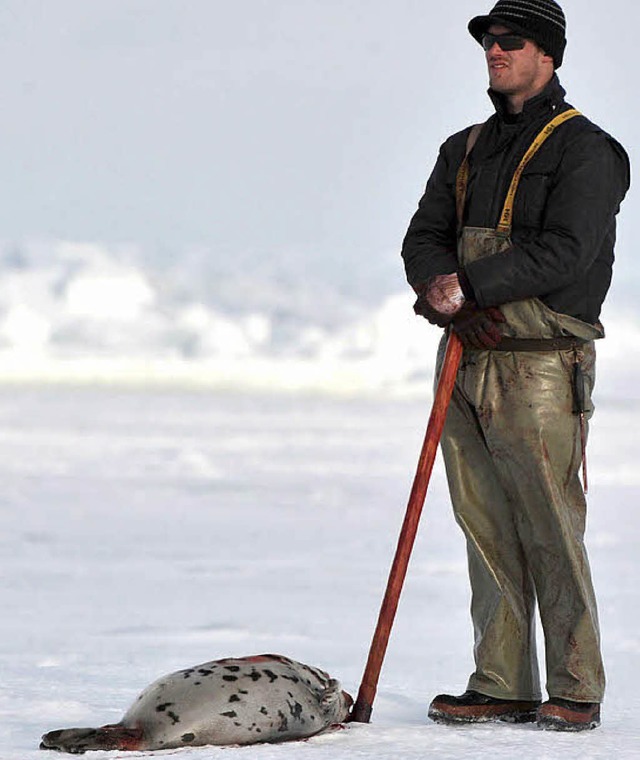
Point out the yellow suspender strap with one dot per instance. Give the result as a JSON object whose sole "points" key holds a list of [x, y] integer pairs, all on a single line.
{"points": [[462, 176], [504, 226]]}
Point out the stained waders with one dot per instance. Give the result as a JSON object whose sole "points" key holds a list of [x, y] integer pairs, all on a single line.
{"points": [[512, 450]]}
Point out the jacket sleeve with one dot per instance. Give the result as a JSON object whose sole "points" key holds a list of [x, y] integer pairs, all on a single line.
{"points": [[429, 247], [591, 181]]}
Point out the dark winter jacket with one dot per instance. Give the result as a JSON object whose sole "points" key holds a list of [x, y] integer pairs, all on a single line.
{"points": [[564, 215]]}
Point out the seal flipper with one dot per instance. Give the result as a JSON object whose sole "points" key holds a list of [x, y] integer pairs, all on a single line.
{"points": [[330, 694], [77, 741], [334, 700]]}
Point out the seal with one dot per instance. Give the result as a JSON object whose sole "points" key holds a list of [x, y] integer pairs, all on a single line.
{"points": [[245, 700]]}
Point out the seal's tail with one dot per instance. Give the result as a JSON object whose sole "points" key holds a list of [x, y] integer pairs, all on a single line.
{"points": [[77, 741]]}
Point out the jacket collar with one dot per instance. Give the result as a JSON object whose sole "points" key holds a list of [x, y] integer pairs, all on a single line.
{"points": [[545, 101]]}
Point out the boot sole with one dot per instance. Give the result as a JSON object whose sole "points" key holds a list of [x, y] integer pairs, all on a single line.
{"points": [[445, 718], [549, 723]]}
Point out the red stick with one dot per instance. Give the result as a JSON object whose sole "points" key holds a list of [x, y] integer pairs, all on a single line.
{"points": [[361, 712]]}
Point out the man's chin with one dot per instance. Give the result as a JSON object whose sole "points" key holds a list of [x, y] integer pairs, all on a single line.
{"points": [[499, 86]]}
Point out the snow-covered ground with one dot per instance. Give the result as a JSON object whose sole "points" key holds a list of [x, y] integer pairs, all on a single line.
{"points": [[147, 530]]}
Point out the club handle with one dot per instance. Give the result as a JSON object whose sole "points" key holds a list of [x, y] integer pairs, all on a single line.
{"points": [[362, 709]]}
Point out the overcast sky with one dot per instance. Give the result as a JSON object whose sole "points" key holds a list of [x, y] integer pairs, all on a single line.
{"points": [[262, 126]]}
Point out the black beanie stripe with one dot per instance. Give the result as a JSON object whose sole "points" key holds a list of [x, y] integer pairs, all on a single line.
{"points": [[522, 9]]}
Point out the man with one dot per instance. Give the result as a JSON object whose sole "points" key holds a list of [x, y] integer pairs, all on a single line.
{"points": [[512, 248]]}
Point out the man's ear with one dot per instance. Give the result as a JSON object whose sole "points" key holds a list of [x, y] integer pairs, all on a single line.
{"points": [[547, 58]]}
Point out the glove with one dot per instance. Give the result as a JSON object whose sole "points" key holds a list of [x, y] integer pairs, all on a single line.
{"points": [[439, 299], [422, 308], [476, 327], [444, 294]]}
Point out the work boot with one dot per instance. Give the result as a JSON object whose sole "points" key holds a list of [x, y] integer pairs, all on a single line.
{"points": [[473, 707], [559, 714]]}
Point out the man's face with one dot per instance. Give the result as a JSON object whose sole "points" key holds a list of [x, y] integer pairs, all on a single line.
{"points": [[519, 73]]}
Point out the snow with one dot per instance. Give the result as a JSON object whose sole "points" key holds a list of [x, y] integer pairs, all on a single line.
{"points": [[84, 312], [74, 312], [204, 458], [150, 529]]}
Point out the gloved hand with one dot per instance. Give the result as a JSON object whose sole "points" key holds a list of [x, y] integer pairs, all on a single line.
{"points": [[476, 327], [444, 294], [423, 309], [439, 299]]}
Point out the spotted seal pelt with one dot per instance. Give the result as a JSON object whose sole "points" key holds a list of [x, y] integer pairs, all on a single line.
{"points": [[264, 698]]}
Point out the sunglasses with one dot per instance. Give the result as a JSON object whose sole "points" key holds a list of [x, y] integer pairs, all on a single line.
{"points": [[506, 41]]}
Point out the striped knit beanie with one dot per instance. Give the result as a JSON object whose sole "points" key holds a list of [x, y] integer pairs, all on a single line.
{"points": [[539, 20]]}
